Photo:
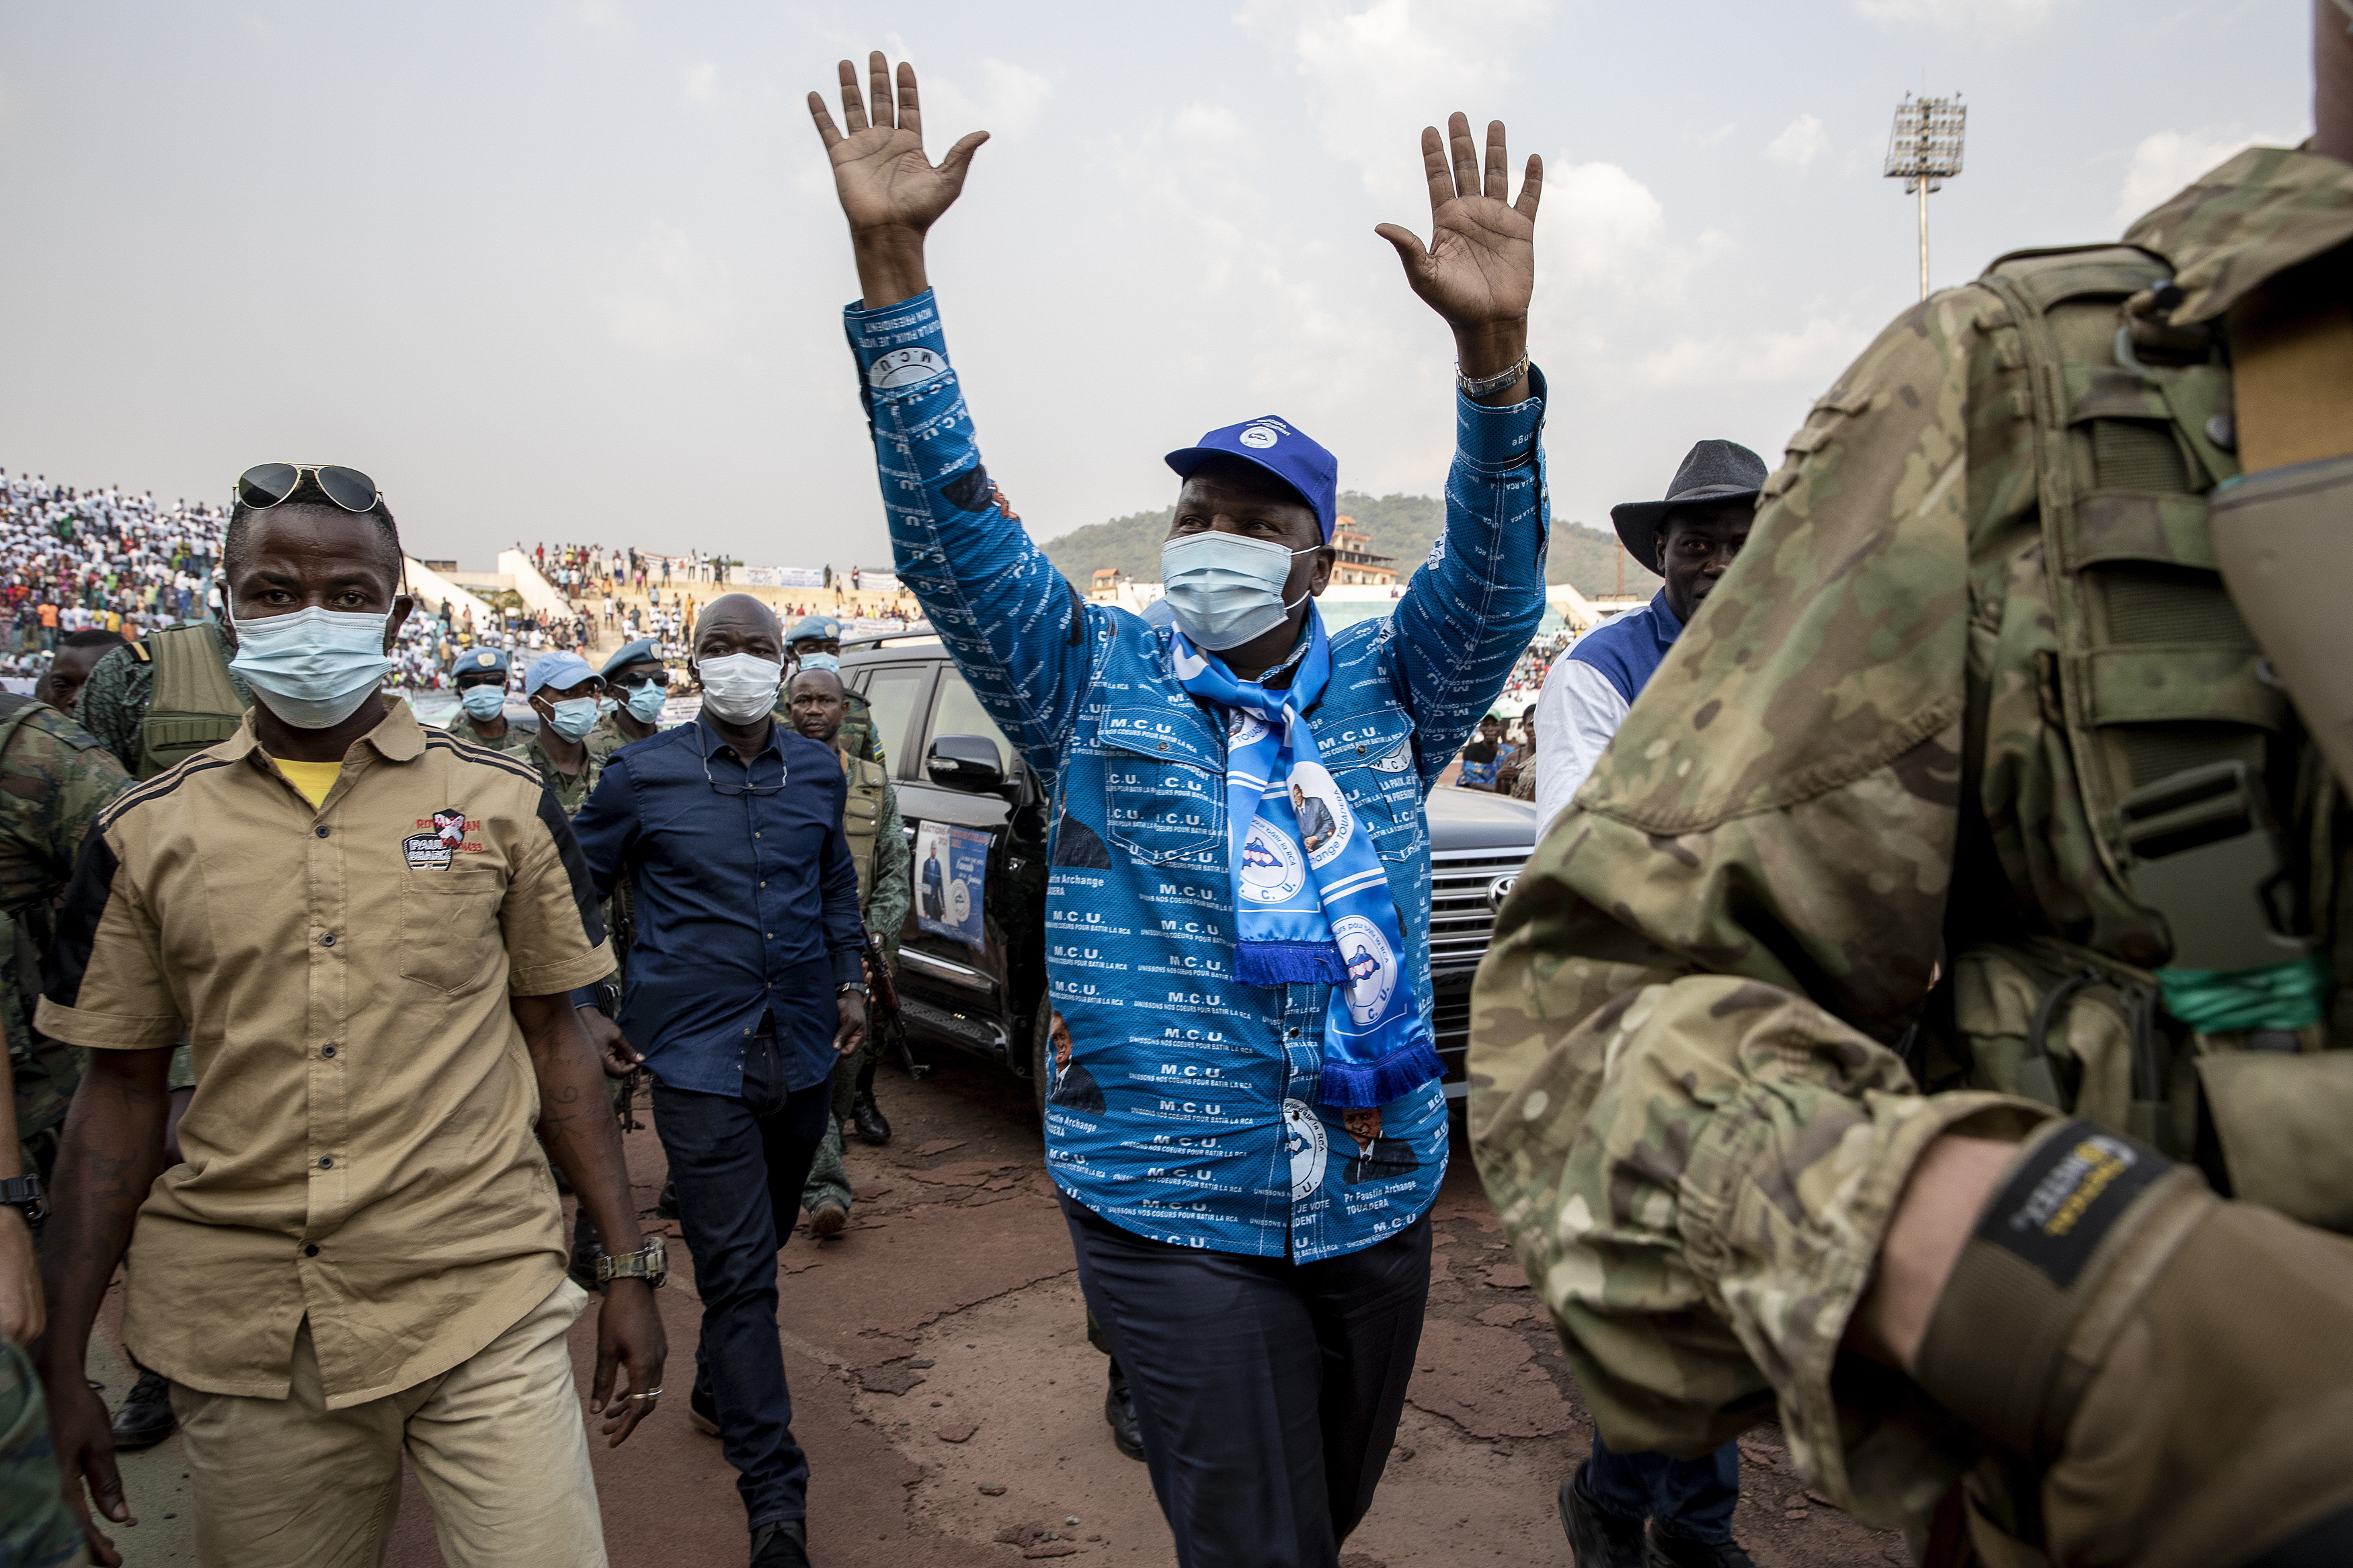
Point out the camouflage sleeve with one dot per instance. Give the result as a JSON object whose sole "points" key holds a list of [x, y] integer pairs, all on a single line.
{"points": [[112, 701], [1683, 1101], [886, 905], [60, 767]]}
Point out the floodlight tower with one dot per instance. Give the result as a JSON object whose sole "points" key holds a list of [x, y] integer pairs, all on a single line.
{"points": [[1924, 151]]}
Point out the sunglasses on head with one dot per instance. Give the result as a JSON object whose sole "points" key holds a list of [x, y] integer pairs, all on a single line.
{"points": [[266, 485]]}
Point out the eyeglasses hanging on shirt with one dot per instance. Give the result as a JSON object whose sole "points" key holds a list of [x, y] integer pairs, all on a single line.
{"points": [[747, 786]]}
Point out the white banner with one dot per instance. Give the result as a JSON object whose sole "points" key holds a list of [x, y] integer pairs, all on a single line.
{"points": [[780, 577]]}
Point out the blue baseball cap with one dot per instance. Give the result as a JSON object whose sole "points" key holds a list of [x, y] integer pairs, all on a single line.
{"points": [[638, 652], [825, 628], [475, 659], [560, 670], [1273, 445]]}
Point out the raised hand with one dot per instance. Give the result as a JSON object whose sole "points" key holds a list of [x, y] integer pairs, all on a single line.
{"points": [[1479, 269], [891, 192]]}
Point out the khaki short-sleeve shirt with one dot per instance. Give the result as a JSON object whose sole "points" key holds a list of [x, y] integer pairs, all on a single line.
{"points": [[360, 1148]]}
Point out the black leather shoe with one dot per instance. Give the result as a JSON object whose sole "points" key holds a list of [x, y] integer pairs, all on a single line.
{"points": [[782, 1545], [666, 1205], [867, 1117], [145, 1418], [1119, 1409], [587, 1246], [1597, 1539], [1670, 1551]]}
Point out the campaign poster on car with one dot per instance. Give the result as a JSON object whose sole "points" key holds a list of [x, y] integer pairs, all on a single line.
{"points": [[951, 869]]}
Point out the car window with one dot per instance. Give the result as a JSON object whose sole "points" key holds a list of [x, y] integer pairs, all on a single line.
{"points": [[894, 691], [959, 712]]}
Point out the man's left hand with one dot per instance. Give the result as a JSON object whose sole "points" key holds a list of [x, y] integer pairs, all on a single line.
{"points": [[1481, 266], [21, 1314], [628, 1334], [853, 1031], [613, 1052]]}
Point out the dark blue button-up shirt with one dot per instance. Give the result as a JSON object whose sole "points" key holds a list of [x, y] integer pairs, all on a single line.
{"points": [[745, 905]]}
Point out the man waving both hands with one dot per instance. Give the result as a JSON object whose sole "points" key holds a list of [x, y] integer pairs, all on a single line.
{"points": [[1238, 817]]}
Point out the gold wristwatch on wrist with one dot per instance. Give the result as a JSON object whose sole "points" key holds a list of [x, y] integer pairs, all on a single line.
{"points": [[649, 1263]]}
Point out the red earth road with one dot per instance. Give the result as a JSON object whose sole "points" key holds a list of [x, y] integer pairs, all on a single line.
{"points": [[951, 1407]]}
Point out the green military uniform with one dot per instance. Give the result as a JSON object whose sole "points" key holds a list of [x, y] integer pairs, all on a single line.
{"points": [[166, 697], [53, 778], [878, 843], [571, 790], [1978, 619], [517, 742], [37, 1529], [606, 738]]}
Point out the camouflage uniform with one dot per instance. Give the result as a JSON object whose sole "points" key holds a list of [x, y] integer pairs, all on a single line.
{"points": [[37, 1527], [1687, 1099], [517, 742], [54, 777], [571, 790], [114, 702], [886, 888], [606, 738]]}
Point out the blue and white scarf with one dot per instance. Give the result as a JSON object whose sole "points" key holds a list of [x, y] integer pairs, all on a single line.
{"points": [[1312, 903]]}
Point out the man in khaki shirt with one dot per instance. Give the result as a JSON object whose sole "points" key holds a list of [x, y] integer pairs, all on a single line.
{"points": [[368, 930]]}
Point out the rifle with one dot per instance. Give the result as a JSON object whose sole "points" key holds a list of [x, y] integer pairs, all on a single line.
{"points": [[888, 1026]]}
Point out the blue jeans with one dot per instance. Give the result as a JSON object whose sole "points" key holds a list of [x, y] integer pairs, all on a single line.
{"points": [[1690, 1497], [740, 1163]]}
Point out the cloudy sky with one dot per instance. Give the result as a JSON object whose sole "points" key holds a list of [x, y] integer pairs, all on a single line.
{"points": [[574, 271]]}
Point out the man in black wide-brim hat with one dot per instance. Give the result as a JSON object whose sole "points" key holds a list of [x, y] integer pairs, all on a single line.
{"points": [[1690, 538]]}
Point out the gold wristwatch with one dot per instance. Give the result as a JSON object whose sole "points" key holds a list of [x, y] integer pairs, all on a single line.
{"points": [[649, 1263]]}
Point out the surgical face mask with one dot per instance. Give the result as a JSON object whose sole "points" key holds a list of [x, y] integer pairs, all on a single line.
{"points": [[646, 703], [573, 717], [605, 706], [821, 661], [1224, 589], [484, 702], [313, 667], [739, 686]]}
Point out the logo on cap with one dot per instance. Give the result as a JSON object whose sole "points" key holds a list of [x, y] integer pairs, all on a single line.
{"points": [[1260, 435], [486, 659]]}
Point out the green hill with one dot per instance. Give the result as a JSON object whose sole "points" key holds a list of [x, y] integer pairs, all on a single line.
{"points": [[1401, 525]]}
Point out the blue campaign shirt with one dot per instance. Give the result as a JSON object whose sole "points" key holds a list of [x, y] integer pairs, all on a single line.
{"points": [[1188, 1108], [1629, 650], [744, 905]]}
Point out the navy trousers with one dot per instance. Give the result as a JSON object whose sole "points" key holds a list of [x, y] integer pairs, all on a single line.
{"points": [[1690, 1497], [740, 1163], [1269, 1391]]}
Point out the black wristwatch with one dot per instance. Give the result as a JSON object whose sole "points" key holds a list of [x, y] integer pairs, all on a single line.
{"points": [[24, 1193]]}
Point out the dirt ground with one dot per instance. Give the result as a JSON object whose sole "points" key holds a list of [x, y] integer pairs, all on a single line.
{"points": [[951, 1407]]}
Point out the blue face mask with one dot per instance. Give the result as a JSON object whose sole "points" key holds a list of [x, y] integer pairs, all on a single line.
{"points": [[821, 661], [646, 703], [484, 702], [313, 667], [573, 717], [1224, 589]]}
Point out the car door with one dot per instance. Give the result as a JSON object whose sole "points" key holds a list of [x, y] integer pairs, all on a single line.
{"points": [[970, 956]]}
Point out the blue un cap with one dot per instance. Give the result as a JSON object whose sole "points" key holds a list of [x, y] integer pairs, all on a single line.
{"points": [[480, 658], [638, 652], [562, 669], [1272, 444], [824, 629]]}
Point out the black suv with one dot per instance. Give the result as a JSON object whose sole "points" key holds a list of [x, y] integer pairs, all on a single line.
{"points": [[954, 769]]}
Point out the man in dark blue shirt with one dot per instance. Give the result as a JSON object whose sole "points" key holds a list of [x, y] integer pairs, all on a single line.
{"points": [[745, 984]]}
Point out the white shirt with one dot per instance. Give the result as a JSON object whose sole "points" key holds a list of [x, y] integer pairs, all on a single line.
{"points": [[1577, 712]]}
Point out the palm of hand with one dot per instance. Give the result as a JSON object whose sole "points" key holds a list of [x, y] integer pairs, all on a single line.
{"points": [[884, 180], [1482, 260]]}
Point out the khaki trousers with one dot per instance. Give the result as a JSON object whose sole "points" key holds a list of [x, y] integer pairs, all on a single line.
{"points": [[498, 1440]]}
